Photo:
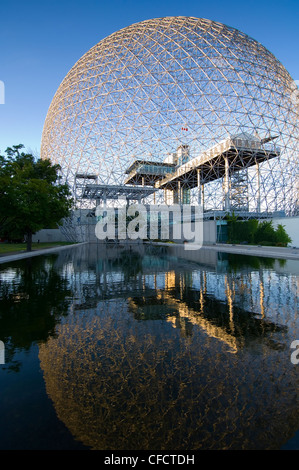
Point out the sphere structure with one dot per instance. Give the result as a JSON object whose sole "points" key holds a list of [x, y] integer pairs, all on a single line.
{"points": [[137, 98]]}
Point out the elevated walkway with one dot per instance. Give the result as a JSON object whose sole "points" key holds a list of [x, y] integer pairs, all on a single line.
{"points": [[228, 160], [103, 192], [231, 155]]}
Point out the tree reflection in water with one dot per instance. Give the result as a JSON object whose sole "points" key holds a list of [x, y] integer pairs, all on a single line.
{"points": [[34, 297]]}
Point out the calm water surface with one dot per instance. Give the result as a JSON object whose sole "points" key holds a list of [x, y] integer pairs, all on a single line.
{"points": [[148, 347]]}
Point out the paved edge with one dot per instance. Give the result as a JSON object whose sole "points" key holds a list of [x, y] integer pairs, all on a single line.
{"points": [[263, 251], [250, 250], [45, 251]]}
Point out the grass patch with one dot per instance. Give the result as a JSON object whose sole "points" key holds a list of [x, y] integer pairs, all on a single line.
{"points": [[20, 247]]}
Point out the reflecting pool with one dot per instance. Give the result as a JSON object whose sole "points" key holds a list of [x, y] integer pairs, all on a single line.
{"points": [[148, 348]]}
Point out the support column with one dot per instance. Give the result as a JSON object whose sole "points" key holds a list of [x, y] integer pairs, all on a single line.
{"points": [[179, 193], [200, 188], [258, 205], [226, 185]]}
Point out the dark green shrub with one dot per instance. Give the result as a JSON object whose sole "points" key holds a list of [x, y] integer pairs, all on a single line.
{"points": [[265, 232], [282, 237], [253, 231], [241, 231]]}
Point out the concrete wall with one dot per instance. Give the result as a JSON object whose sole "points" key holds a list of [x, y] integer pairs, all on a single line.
{"points": [[291, 225], [209, 232], [49, 235]]}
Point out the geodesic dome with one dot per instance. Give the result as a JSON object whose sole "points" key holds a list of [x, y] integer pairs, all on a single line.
{"points": [[163, 84]]}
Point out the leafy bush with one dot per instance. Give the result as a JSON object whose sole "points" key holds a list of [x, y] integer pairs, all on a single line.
{"points": [[241, 231], [282, 237], [265, 232], [260, 233]]}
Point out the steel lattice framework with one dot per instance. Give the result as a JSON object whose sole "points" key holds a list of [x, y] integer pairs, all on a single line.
{"points": [[192, 108]]}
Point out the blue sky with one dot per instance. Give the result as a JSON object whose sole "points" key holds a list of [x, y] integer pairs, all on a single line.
{"points": [[41, 40]]}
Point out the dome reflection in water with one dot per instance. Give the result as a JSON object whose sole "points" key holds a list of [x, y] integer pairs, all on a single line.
{"points": [[163, 352]]}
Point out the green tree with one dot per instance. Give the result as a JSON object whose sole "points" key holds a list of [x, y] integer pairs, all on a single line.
{"points": [[265, 232], [254, 231], [282, 238], [241, 231], [31, 197]]}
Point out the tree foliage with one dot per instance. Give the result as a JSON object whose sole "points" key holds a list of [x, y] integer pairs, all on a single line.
{"points": [[31, 197], [256, 232], [241, 231]]}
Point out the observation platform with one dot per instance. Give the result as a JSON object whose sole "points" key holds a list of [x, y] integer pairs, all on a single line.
{"points": [[222, 160], [103, 192], [147, 173]]}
